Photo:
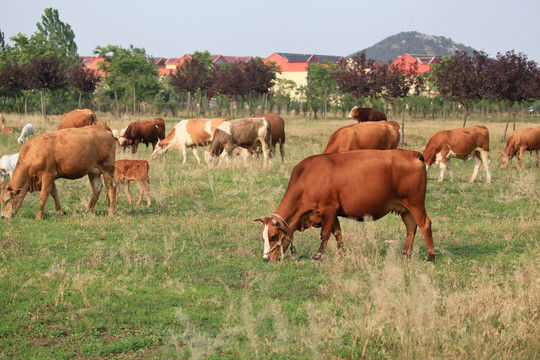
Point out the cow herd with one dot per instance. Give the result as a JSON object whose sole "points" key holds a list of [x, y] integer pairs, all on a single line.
{"points": [[362, 173]]}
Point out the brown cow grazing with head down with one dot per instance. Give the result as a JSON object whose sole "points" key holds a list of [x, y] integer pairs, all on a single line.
{"points": [[128, 171], [77, 118], [68, 154], [362, 184], [189, 133], [519, 142], [369, 135], [245, 133], [145, 131], [461, 143], [366, 114], [278, 131]]}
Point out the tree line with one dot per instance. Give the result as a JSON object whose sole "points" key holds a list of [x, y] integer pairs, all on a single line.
{"points": [[43, 71]]}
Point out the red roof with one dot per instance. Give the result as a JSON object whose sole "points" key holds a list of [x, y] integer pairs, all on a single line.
{"points": [[424, 61]]}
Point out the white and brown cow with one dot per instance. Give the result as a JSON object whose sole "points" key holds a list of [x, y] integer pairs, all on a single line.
{"points": [[366, 114], [69, 154], [384, 135], [189, 133], [519, 142], [361, 184], [461, 143], [246, 133], [128, 171]]}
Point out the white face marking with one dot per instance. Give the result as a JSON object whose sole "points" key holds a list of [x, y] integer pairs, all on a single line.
{"points": [[266, 242], [225, 126]]}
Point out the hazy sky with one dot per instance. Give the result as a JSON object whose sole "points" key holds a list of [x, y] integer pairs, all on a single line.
{"points": [[262, 27]]}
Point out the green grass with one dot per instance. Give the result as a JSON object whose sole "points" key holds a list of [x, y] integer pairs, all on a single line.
{"points": [[185, 278]]}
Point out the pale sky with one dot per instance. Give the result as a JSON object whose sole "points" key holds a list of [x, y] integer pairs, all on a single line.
{"points": [[261, 27]]}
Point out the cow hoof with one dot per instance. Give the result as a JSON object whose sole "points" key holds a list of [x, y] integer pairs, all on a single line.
{"points": [[431, 257], [319, 256], [59, 213]]}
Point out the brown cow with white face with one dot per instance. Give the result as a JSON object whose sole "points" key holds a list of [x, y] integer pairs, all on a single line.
{"points": [[368, 135], [128, 171], [278, 131], [142, 131], [77, 118], [461, 143], [245, 133], [358, 184], [366, 114], [189, 133], [68, 154], [519, 142]]}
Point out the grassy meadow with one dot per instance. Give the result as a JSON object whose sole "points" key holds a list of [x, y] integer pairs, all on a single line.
{"points": [[185, 278]]}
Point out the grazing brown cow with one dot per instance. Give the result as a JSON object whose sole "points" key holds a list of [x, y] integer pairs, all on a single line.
{"points": [[77, 119], [278, 131], [366, 114], [3, 128], [189, 133], [519, 142], [369, 135], [246, 133], [461, 143], [128, 171], [145, 131], [68, 154], [362, 184]]}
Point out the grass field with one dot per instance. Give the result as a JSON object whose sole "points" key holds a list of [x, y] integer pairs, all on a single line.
{"points": [[185, 278]]}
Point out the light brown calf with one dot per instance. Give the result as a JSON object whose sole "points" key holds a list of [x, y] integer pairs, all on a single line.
{"points": [[128, 171], [519, 142]]}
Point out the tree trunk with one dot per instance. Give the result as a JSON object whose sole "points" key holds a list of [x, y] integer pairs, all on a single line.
{"points": [[134, 100], [507, 122], [465, 113], [43, 104], [116, 100], [80, 95], [403, 126], [189, 103]]}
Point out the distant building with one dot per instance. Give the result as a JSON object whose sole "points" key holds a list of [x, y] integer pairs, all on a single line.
{"points": [[295, 66], [424, 61]]}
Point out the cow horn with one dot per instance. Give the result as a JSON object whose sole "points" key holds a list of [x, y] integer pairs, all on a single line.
{"points": [[258, 219]]}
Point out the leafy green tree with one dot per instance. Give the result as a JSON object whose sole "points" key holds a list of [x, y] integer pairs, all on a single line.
{"points": [[259, 78], [58, 36], [46, 73], [320, 85], [3, 46], [130, 73], [360, 78]]}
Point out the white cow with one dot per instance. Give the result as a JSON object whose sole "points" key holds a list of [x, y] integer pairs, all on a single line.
{"points": [[8, 163], [26, 131]]}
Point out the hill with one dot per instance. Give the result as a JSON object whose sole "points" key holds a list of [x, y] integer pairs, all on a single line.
{"points": [[413, 42]]}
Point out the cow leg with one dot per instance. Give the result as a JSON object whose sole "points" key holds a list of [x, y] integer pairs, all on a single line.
{"points": [[522, 150], [108, 177], [485, 160], [96, 184], [196, 154], [54, 194], [477, 163], [327, 228], [537, 158], [116, 191], [184, 151], [134, 146], [282, 151], [442, 166], [46, 187], [267, 154], [336, 231], [449, 167], [126, 191], [421, 219], [144, 189]]}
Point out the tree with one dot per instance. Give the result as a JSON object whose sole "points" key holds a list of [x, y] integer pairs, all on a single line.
{"points": [[46, 72], [83, 80], [320, 84], [3, 46], [194, 74], [398, 81], [230, 80], [461, 78], [13, 80], [58, 36], [130, 72], [360, 78], [260, 78], [510, 79]]}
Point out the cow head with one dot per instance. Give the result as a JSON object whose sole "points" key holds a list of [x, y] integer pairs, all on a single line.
{"points": [[11, 200], [505, 160], [353, 113], [123, 143], [161, 149], [211, 159], [277, 237]]}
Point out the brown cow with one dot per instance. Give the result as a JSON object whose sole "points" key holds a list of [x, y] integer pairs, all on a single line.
{"points": [[519, 142], [362, 184], [189, 133], [278, 131], [145, 131], [68, 154], [246, 133], [366, 114], [128, 171], [369, 135], [3, 128], [461, 143], [77, 118]]}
